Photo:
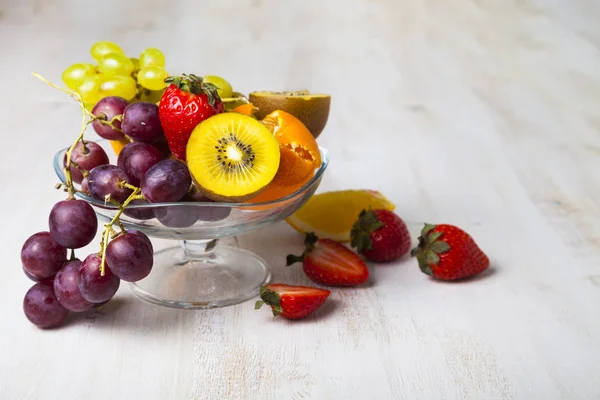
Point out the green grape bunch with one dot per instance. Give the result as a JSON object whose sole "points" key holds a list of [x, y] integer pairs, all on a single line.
{"points": [[116, 74]]}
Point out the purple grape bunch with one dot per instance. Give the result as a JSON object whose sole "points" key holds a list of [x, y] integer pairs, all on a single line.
{"points": [[66, 285], [144, 175]]}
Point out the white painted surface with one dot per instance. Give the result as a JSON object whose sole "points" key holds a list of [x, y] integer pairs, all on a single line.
{"points": [[484, 114]]}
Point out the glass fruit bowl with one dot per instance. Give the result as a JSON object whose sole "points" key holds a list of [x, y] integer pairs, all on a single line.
{"points": [[200, 273]]}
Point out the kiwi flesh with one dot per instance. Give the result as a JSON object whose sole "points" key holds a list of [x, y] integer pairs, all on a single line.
{"points": [[232, 157], [310, 108], [236, 100]]}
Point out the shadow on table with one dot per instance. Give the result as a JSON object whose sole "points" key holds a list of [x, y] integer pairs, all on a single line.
{"points": [[488, 273], [128, 314]]}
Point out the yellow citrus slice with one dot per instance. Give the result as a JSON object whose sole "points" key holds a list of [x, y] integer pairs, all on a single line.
{"points": [[332, 214]]}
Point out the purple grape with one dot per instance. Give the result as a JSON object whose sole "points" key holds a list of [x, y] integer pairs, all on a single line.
{"points": [[143, 236], [139, 213], [208, 213], [110, 107], [141, 122], [42, 308], [35, 278], [129, 257], [47, 281], [66, 289], [41, 256], [177, 216], [163, 146], [136, 158], [73, 223], [88, 158], [167, 180], [94, 287], [105, 179]]}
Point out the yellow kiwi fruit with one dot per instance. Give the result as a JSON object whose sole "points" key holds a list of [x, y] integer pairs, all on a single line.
{"points": [[310, 108], [232, 157]]}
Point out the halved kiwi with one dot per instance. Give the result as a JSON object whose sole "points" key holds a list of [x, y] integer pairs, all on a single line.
{"points": [[310, 108], [232, 157], [236, 100]]}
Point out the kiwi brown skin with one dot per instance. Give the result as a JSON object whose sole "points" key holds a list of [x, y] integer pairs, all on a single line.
{"points": [[314, 117]]}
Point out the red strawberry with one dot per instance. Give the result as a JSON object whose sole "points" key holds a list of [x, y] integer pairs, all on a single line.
{"points": [[186, 102], [291, 302], [380, 235], [330, 263], [447, 252]]}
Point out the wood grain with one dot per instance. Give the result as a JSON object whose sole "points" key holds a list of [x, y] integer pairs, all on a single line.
{"points": [[481, 113]]}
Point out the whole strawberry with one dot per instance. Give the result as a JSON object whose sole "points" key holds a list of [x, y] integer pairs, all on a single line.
{"points": [[380, 235], [291, 302], [330, 263], [186, 102], [446, 252]]}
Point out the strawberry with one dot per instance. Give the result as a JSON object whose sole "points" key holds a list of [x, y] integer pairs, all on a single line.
{"points": [[186, 102], [330, 263], [446, 252], [380, 235], [291, 302]]}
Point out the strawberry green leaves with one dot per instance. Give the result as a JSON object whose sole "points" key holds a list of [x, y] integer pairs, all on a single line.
{"points": [[271, 298], [429, 248], [360, 233]]}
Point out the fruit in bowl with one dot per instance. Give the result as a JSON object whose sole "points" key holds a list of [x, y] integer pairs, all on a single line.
{"points": [[182, 166]]}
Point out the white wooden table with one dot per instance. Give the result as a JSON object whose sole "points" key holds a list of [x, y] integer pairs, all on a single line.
{"points": [[484, 114]]}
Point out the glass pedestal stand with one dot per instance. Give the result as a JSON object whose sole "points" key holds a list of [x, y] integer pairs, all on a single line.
{"points": [[201, 274]]}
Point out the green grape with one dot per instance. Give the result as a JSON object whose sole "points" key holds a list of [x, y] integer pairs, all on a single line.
{"points": [[115, 64], [151, 96], [101, 49], [89, 89], [136, 64], [118, 85], [224, 88], [74, 74], [152, 77], [152, 57]]}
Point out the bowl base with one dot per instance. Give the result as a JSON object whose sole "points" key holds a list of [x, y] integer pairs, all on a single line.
{"points": [[222, 277]]}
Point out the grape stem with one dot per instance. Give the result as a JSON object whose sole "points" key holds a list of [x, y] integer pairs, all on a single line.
{"points": [[84, 124], [102, 118], [84, 172], [109, 232], [85, 151], [103, 246]]}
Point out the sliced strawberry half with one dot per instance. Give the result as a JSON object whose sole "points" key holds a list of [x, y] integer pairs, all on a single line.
{"points": [[291, 302], [330, 263]]}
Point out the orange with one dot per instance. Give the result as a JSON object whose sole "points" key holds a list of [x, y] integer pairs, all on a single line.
{"points": [[299, 158], [246, 109], [118, 145]]}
